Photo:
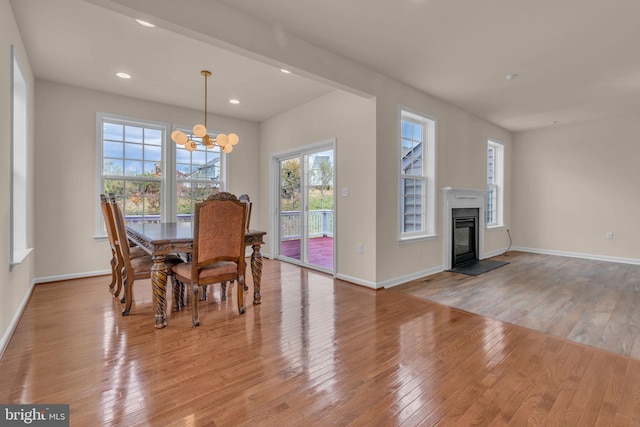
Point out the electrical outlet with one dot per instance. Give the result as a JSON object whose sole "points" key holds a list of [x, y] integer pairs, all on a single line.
{"points": [[345, 191], [360, 248], [609, 235]]}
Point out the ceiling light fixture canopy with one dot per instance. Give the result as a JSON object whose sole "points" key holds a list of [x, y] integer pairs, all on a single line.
{"points": [[225, 142]]}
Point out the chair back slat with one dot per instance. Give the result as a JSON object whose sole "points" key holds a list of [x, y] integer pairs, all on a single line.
{"points": [[245, 199]]}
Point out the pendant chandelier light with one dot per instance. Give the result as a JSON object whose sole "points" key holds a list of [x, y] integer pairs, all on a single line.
{"points": [[225, 142]]}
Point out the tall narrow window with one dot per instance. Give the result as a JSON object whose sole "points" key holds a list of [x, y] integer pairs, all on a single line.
{"points": [[19, 164], [417, 175], [495, 183]]}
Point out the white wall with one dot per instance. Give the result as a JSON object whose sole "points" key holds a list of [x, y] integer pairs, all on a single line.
{"points": [[350, 119], [65, 160], [572, 184], [15, 285]]}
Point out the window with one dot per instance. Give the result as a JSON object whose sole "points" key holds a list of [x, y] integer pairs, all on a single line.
{"points": [[135, 157], [495, 182], [197, 174], [19, 164], [132, 167], [417, 175]]}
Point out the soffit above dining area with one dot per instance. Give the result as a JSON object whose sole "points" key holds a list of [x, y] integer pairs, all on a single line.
{"points": [[569, 61]]}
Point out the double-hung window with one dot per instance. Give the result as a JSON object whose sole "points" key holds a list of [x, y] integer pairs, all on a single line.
{"points": [[417, 175], [198, 173], [132, 167], [153, 179], [495, 183]]}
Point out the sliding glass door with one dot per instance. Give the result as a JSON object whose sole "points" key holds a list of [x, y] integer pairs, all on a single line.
{"points": [[306, 207]]}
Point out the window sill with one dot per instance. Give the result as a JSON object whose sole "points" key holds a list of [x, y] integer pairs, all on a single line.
{"points": [[19, 256], [410, 239], [495, 227]]}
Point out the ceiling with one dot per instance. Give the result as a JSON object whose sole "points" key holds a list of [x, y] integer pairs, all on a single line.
{"points": [[573, 60]]}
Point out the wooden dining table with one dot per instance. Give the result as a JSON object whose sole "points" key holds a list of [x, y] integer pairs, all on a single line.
{"points": [[160, 239]]}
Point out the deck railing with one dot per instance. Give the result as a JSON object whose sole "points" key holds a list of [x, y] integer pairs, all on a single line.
{"points": [[320, 224]]}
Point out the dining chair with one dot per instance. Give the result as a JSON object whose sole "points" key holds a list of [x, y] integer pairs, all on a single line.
{"points": [[218, 247], [134, 268], [117, 263]]}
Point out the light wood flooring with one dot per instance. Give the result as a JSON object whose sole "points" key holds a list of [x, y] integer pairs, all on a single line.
{"points": [[316, 352], [596, 303]]}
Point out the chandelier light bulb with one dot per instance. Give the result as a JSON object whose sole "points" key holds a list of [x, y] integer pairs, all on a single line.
{"points": [[199, 130], [227, 148], [222, 140], [233, 139], [191, 145], [179, 137]]}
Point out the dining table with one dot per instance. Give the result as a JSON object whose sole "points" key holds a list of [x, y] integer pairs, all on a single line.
{"points": [[163, 238]]}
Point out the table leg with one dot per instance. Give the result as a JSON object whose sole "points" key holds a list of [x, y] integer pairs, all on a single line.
{"points": [[159, 287], [256, 272]]}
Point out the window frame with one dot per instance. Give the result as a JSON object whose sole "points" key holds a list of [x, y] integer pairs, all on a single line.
{"points": [[427, 178], [19, 158], [496, 187]]}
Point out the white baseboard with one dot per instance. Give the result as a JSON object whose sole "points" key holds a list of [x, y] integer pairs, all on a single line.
{"points": [[404, 279], [4, 341], [357, 281], [578, 255], [71, 276]]}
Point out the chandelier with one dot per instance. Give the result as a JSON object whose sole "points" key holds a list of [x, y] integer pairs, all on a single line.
{"points": [[225, 142]]}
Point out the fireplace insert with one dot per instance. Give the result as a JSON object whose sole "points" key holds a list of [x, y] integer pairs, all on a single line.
{"points": [[465, 235]]}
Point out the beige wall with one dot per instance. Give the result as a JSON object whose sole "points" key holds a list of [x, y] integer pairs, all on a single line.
{"points": [[15, 284], [572, 184], [350, 120], [66, 199]]}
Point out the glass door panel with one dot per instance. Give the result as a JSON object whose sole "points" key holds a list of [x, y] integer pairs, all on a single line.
{"points": [[290, 208], [319, 191]]}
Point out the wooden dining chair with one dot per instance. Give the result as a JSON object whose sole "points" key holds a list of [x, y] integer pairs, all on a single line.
{"points": [[134, 268], [218, 247], [117, 264]]}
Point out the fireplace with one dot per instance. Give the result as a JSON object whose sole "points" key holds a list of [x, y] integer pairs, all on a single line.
{"points": [[464, 242], [463, 199]]}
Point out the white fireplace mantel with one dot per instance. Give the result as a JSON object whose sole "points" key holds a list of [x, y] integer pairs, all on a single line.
{"points": [[455, 198]]}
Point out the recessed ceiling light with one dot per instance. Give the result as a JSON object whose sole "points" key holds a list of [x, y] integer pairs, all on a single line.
{"points": [[510, 76], [554, 122], [145, 23], [124, 75], [234, 101], [285, 71]]}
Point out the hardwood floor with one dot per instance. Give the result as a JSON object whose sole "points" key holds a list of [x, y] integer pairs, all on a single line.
{"points": [[317, 351], [590, 302]]}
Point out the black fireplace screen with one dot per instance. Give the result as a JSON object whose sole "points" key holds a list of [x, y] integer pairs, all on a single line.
{"points": [[465, 235]]}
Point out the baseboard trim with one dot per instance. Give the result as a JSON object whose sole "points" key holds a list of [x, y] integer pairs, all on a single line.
{"points": [[4, 341], [577, 255], [404, 279], [356, 281], [48, 279]]}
